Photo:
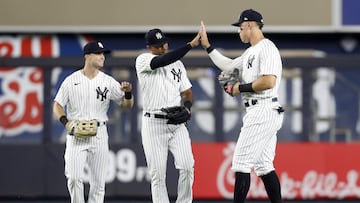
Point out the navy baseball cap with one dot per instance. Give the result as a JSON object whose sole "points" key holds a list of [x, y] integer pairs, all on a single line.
{"points": [[249, 15], [95, 47], [155, 37]]}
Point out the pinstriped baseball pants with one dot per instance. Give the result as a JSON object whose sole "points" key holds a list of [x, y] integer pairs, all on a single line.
{"points": [[256, 145], [94, 151], [158, 138]]}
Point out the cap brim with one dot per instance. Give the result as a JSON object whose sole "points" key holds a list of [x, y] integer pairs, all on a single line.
{"points": [[237, 24], [105, 51]]}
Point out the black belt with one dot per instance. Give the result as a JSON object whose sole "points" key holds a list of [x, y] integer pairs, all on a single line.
{"points": [[255, 101], [147, 114], [101, 123]]}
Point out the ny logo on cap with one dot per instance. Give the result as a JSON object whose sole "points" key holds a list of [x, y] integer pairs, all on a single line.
{"points": [[100, 45], [158, 35]]}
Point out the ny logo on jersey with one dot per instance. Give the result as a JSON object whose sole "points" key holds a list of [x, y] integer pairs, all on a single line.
{"points": [[250, 61], [177, 75], [101, 94]]}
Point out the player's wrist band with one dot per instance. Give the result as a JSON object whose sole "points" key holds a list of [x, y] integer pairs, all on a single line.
{"points": [[128, 95], [63, 120], [246, 87], [209, 49], [188, 104]]}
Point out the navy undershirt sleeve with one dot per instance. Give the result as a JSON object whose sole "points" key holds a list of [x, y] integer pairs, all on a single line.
{"points": [[170, 57]]}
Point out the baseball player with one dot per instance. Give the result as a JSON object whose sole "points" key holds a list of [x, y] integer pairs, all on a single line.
{"points": [[260, 67], [86, 94], [164, 83]]}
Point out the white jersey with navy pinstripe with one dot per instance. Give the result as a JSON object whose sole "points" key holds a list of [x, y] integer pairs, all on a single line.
{"points": [[261, 59], [256, 144], [162, 88], [87, 99], [257, 140]]}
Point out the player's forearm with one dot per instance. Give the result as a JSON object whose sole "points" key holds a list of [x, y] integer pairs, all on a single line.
{"points": [[60, 114], [58, 110], [264, 82], [127, 100], [187, 98], [170, 57], [128, 103]]}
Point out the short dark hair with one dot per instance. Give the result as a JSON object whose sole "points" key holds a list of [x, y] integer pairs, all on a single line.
{"points": [[260, 25]]}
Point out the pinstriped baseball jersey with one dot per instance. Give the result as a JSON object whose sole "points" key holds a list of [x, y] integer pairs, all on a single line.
{"points": [[86, 98], [161, 87], [261, 59], [255, 147], [260, 67]]}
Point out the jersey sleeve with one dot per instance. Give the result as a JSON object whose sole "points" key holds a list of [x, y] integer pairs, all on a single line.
{"points": [[62, 96], [270, 60], [142, 62], [116, 92], [185, 82]]}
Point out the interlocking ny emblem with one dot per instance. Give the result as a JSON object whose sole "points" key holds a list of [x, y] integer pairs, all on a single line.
{"points": [[250, 61], [177, 75], [101, 94], [158, 35]]}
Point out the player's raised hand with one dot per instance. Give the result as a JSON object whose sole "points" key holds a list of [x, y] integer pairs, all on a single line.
{"points": [[125, 86], [196, 41], [203, 36]]}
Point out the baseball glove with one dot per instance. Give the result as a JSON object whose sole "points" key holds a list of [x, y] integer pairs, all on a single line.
{"points": [[227, 80], [82, 128], [177, 114]]}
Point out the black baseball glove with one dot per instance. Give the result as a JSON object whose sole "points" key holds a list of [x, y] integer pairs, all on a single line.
{"points": [[227, 80], [177, 114]]}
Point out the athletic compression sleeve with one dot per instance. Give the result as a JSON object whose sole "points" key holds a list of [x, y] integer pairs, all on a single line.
{"points": [[221, 61], [170, 57]]}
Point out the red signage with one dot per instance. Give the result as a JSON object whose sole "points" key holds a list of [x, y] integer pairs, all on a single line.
{"points": [[22, 88], [306, 171]]}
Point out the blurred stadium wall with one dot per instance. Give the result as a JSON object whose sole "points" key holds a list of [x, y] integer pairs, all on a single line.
{"points": [[320, 91]]}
